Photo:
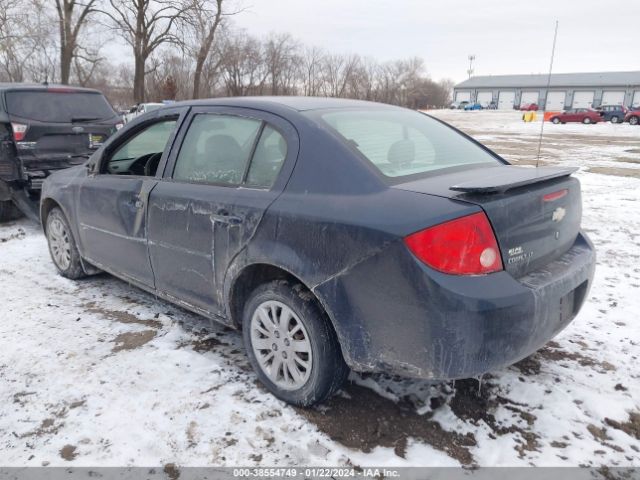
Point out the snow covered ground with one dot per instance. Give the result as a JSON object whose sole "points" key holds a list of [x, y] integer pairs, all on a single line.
{"points": [[98, 373]]}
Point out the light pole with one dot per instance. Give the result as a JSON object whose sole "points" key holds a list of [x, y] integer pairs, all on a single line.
{"points": [[471, 59]]}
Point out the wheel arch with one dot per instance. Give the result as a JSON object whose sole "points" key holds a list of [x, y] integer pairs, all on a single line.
{"points": [[247, 279]]}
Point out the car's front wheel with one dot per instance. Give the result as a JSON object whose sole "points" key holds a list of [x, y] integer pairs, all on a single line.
{"points": [[614, 119], [634, 120], [555, 120], [291, 344], [62, 245], [586, 120]]}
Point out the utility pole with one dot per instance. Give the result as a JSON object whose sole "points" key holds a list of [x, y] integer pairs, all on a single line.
{"points": [[471, 59]]}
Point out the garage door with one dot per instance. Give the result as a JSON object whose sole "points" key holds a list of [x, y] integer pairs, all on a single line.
{"points": [[484, 98], [462, 96], [612, 98], [529, 97], [506, 100], [582, 100], [555, 101], [636, 99]]}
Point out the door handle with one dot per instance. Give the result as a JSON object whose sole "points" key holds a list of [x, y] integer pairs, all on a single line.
{"points": [[223, 216], [136, 202]]}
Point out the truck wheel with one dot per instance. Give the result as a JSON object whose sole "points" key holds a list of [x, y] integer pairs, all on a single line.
{"points": [[8, 211], [291, 344], [62, 246]]}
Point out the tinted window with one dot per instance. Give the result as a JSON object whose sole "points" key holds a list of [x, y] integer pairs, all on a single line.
{"points": [[141, 154], [58, 107], [267, 159], [216, 149], [402, 142]]}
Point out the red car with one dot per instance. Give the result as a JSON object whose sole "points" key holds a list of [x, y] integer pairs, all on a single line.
{"points": [[529, 107], [633, 117], [583, 115]]}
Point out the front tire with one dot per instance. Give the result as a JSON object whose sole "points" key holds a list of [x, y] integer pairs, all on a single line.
{"points": [[62, 246], [555, 120], [291, 344], [586, 121], [614, 119], [634, 120]]}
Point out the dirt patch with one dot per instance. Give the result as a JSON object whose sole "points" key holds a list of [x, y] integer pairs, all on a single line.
{"points": [[475, 404], [206, 344], [132, 340], [68, 452], [553, 353], [630, 427], [19, 235], [366, 420], [120, 316], [529, 366], [616, 171]]}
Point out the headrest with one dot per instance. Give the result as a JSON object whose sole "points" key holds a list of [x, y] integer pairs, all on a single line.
{"points": [[402, 152]]}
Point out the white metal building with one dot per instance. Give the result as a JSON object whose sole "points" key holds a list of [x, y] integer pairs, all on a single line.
{"points": [[566, 90]]}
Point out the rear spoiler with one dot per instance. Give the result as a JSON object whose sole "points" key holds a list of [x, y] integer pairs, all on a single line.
{"points": [[503, 178]]}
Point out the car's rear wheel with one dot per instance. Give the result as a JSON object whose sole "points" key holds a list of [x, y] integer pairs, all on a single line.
{"points": [[614, 119], [586, 120], [62, 245], [634, 120], [291, 344], [8, 211], [555, 120]]}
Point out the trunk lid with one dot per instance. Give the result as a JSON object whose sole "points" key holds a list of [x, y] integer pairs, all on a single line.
{"points": [[535, 212]]}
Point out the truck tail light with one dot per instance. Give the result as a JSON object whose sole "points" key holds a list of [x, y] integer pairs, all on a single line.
{"points": [[19, 131], [464, 246]]}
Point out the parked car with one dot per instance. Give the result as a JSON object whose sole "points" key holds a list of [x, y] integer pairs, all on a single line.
{"points": [[584, 115], [140, 109], [459, 105], [529, 107], [335, 233], [473, 106], [44, 128], [492, 106], [612, 113], [633, 117]]}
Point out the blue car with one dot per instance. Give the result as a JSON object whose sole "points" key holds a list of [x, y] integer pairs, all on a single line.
{"points": [[473, 106], [612, 113], [333, 233]]}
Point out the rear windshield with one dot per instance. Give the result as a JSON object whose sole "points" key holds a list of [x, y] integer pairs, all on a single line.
{"points": [[402, 142], [58, 107]]}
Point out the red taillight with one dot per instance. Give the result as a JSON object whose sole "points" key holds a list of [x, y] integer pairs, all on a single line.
{"points": [[464, 246], [550, 197], [19, 131]]}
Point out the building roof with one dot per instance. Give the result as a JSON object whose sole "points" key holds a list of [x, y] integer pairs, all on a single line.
{"points": [[591, 79]]}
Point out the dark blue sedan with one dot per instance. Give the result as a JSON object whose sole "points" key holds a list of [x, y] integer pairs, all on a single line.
{"points": [[336, 234]]}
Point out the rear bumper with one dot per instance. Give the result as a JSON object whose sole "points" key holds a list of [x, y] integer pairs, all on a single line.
{"points": [[416, 322]]}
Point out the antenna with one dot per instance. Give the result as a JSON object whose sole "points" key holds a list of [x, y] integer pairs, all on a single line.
{"points": [[553, 51]]}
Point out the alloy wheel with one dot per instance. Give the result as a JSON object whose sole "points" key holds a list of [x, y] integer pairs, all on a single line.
{"points": [[60, 244], [281, 345]]}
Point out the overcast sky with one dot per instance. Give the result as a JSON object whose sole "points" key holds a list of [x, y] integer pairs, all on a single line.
{"points": [[506, 36]]}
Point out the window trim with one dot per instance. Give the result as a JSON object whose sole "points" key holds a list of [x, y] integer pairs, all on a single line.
{"points": [[169, 175]]}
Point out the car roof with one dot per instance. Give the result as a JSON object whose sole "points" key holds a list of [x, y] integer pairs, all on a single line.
{"points": [[299, 104], [43, 87]]}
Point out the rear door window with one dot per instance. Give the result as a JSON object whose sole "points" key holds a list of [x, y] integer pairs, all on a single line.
{"points": [[58, 107], [267, 159], [216, 149]]}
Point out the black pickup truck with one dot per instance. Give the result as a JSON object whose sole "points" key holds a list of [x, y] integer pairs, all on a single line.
{"points": [[44, 128]]}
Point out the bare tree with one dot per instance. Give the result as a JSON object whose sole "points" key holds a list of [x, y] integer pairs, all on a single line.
{"points": [[205, 19], [145, 25], [72, 17]]}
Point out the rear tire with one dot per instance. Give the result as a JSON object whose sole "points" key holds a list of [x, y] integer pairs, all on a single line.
{"points": [[62, 246], [615, 119], [586, 121], [9, 211], [291, 344]]}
